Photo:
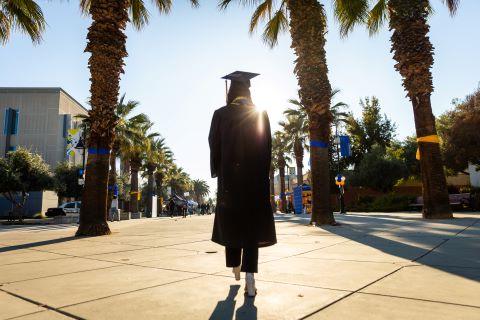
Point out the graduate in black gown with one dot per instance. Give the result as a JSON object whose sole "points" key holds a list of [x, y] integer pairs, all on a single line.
{"points": [[240, 155]]}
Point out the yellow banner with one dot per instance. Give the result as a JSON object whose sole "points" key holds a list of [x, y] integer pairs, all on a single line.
{"points": [[429, 139]]}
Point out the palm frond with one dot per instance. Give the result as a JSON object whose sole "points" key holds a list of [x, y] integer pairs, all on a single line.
{"points": [[350, 13], [452, 5], [377, 16], [139, 15], [263, 11], [23, 15], [276, 25]]}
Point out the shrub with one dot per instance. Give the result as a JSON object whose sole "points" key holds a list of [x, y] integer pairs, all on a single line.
{"points": [[387, 203]]}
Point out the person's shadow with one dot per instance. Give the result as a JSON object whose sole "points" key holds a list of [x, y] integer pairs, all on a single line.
{"points": [[225, 308], [247, 311]]}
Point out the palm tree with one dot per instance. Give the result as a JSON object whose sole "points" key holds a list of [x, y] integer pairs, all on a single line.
{"points": [[413, 53], [126, 129], [179, 180], [297, 127], [280, 153], [200, 190], [134, 150], [156, 154], [23, 15], [273, 167], [107, 45], [307, 22], [160, 176], [296, 135]]}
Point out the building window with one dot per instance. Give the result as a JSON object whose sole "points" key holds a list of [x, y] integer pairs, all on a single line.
{"points": [[10, 125]]}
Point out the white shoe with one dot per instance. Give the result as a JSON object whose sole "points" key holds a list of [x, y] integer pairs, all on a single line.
{"points": [[236, 272], [250, 289]]}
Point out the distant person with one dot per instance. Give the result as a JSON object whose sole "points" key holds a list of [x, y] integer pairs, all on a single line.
{"points": [[240, 154], [171, 207]]}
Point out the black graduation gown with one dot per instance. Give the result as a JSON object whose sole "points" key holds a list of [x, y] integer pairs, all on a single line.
{"points": [[240, 153]]}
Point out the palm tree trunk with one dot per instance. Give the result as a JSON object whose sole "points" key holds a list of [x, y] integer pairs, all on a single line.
{"points": [[134, 168], [151, 189], [308, 29], [413, 52], [112, 178], [299, 160], [283, 197], [158, 186], [272, 189], [106, 43]]}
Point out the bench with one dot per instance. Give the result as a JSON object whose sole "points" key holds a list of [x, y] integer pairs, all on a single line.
{"points": [[461, 200]]}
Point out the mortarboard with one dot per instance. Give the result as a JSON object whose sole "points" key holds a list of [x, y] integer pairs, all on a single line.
{"points": [[239, 76]]}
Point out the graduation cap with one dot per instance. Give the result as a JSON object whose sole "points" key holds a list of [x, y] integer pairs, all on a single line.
{"points": [[239, 76]]}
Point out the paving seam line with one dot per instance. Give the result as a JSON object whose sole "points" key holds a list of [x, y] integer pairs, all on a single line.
{"points": [[128, 250], [53, 259], [431, 250], [60, 274], [287, 283], [349, 294], [132, 291], [419, 299], [471, 225], [46, 306]]}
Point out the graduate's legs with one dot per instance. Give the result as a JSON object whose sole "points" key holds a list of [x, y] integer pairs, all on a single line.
{"points": [[250, 260], [233, 256]]}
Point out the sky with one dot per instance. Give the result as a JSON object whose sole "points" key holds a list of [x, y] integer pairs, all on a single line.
{"points": [[175, 64]]}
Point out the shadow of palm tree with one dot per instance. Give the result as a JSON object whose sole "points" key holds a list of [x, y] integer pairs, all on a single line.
{"points": [[435, 243], [37, 244]]}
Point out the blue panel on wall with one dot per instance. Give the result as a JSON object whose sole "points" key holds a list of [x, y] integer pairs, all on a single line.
{"points": [[6, 121]]}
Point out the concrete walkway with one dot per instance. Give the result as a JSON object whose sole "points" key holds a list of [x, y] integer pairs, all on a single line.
{"points": [[374, 266]]}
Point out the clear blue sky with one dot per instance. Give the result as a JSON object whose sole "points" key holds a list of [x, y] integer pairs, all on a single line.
{"points": [[175, 64]]}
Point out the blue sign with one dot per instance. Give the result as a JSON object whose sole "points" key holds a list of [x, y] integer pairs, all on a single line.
{"points": [[297, 199], [345, 149]]}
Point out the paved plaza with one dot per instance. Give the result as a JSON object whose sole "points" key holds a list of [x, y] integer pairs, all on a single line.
{"points": [[374, 266]]}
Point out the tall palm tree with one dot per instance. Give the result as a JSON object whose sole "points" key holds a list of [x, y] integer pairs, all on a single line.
{"points": [[155, 155], [413, 53], [161, 174], [107, 45], [273, 167], [200, 189], [23, 15], [299, 112], [179, 180], [306, 22], [296, 135], [126, 129], [135, 149], [280, 153]]}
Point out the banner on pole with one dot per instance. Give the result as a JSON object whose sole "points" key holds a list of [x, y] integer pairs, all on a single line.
{"points": [[345, 148], [73, 138]]}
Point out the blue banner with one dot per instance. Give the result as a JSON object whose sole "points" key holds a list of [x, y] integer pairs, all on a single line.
{"points": [[345, 149], [318, 144]]}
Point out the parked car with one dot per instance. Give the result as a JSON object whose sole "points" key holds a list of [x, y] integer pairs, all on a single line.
{"points": [[62, 210]]}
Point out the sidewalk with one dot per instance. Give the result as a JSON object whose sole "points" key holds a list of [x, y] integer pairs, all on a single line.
{"points": [[374, 266]]}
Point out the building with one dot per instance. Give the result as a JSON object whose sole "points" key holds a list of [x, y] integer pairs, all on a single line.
{"points": [[39, 119]]}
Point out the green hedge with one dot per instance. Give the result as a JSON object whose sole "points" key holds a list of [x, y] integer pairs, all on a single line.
{"points": [[387, 203]]}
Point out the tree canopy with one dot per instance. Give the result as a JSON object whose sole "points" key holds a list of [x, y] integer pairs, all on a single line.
{"points": [[66, 180], [21, 172], [458, 130], [371, 129]]}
